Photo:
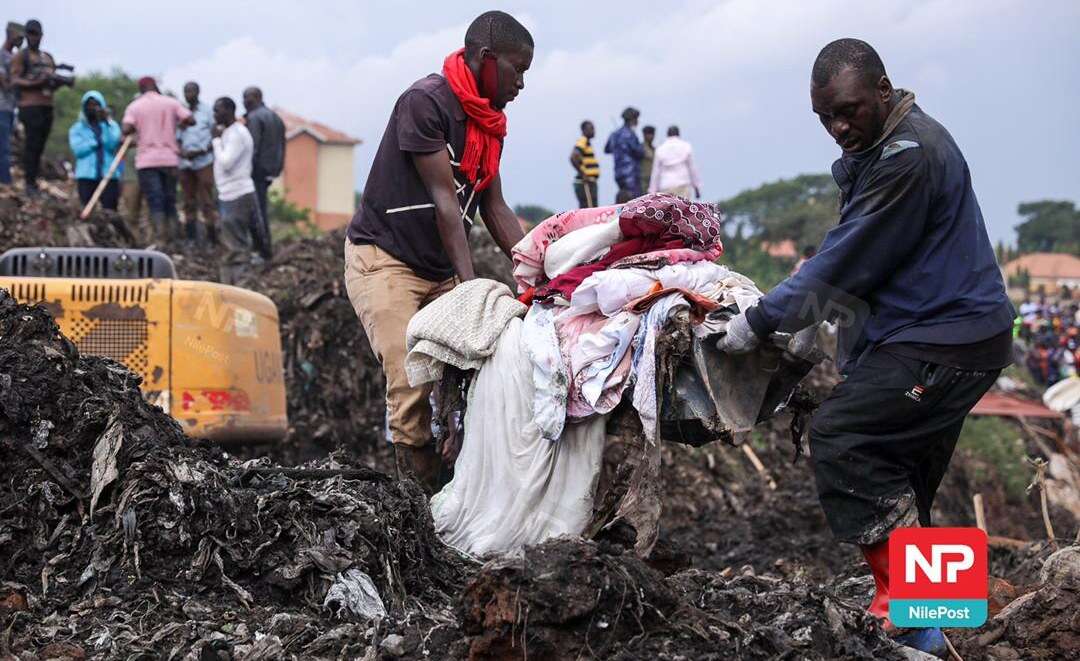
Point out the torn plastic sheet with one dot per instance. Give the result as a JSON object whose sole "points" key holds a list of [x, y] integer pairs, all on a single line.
{"points": [[353, 591]]}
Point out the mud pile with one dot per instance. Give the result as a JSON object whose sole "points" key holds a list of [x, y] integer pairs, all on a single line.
{"points": [[1044, 623], [121, 535], [569, 599], [51, 219]]}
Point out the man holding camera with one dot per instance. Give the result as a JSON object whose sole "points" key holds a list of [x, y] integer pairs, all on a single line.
{"points": [[33, 74]]}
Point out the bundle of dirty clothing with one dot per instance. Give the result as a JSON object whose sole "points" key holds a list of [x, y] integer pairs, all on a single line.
{"points": [[597, 288]]}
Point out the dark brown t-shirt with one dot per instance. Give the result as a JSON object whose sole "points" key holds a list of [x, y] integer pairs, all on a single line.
{"points": [[33, 64], [396, 212]]}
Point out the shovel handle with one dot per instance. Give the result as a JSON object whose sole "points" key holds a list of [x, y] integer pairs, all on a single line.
{"points": [[105, 180]]}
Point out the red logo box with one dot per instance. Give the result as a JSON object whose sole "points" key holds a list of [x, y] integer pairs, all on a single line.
{"points": [[937, 563]]}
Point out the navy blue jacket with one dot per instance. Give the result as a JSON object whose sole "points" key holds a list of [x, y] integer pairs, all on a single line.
{"points": [[909, 261]]}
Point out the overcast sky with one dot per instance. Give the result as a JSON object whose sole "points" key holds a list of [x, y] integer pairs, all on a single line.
{"points": [[1003, 77]]}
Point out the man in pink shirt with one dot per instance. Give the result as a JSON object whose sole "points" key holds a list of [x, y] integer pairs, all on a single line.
{"points": [[154, 119]]}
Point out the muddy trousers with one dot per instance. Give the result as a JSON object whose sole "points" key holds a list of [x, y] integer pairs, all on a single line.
{"points": [[386, 294], [881, 442]]}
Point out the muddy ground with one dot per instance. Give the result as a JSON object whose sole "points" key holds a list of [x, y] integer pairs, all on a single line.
{"points": [[191, 553]]}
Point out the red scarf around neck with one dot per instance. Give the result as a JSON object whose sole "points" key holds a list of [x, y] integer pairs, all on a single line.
{"points": [[485, 127]]}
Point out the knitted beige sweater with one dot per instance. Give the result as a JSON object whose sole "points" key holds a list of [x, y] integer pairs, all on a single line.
{"points": [[459, 328]]}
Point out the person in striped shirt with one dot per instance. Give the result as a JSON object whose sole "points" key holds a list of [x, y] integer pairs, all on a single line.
{"points": [[586, 167]]}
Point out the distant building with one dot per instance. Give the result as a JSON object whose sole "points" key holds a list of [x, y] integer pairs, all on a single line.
{"points": [[319, 173], [784, 249], [1047, 272]]}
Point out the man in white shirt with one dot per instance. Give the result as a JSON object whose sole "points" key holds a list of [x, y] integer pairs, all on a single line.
{"points": [[240, 218], [673, 167]]}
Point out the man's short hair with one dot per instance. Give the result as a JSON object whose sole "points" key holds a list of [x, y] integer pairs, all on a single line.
{"points": [[498, 31], [229, 104], [630, 113], [584, 124], [672, 130], [843, 53], [193, 84], [33, 25], [649, 129]]}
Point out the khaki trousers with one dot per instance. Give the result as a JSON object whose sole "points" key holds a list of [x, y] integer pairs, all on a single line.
{"points": [[386, 294]]}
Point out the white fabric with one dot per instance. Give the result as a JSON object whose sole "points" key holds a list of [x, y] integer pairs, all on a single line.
{"points": [[233, 152], [511, 487], [609, 291], [673, 166], [1063, 395], [459, 328], [598, 354], [581, 246], [550, 377]]}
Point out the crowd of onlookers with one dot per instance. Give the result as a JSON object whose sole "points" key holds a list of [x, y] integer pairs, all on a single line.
{"points": [[1050, 332], [222, 164], [639, 166]]}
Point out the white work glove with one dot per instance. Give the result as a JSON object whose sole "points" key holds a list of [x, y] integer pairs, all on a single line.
{"points": [[738, 337]]}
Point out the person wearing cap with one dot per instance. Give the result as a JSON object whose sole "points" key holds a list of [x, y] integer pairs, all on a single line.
{"points": [[627, 151], [32, 72], [13, 38], [154, 118]]}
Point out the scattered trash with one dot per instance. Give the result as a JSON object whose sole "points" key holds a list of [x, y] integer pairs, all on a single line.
{"points": [[354, 592]]}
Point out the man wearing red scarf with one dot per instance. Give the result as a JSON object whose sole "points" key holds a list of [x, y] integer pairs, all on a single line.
{"points": [[436, 168]]}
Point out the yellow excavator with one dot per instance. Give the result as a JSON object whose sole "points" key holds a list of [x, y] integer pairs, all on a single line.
{"points": [[208, 354]]}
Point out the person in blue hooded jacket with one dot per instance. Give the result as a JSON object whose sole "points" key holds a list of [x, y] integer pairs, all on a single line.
{"points": [[94, 139]]}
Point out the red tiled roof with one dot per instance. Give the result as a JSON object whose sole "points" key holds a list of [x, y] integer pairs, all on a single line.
{"points": [[1010, 406], [1045, 265], [295, 125], [783, 249]]}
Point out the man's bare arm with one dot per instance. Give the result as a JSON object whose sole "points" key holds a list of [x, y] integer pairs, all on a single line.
{"points": [[500, 220], [438, 178]]}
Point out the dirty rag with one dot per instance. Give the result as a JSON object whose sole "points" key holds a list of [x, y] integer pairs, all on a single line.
{"points": [[460, 328]]}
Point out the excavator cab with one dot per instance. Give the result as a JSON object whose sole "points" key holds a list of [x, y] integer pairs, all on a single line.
{"points": [[208, 354]]}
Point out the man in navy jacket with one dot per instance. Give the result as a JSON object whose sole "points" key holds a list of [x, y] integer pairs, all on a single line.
{"points": [[910, 277]]}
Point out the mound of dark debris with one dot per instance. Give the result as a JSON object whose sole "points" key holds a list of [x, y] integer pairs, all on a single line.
{"points": [[570, 599], [121, 536], [1044, 623]]}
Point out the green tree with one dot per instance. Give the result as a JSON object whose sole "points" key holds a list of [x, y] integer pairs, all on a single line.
{"points": [[1049, 226], [747, 257], [288, 220], [118, 88], [533, 213], [802, 209]]}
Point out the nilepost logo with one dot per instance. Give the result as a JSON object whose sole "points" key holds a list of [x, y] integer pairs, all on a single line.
{"points": [[937, 577]]}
